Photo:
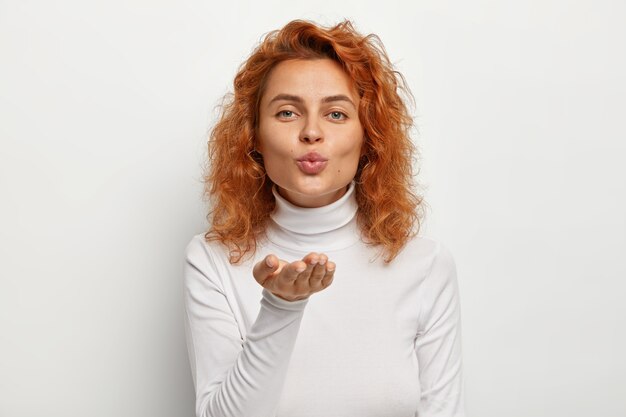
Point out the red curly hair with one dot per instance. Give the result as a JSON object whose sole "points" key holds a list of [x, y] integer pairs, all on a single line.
{"points": [[235, 180]]}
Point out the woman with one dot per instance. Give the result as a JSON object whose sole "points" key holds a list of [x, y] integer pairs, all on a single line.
{"points": [[310, 182]]}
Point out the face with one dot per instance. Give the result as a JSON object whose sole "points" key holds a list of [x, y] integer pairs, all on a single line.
{"points": [[309, 131]]}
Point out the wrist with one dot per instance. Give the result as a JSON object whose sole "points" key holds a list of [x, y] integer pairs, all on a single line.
{"points": [[289, 299]]}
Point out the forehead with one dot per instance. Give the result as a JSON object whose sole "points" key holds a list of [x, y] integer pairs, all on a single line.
{"points": [[312, 79]]}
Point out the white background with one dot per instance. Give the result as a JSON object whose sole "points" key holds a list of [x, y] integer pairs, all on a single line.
{"points": [[105, 107]]}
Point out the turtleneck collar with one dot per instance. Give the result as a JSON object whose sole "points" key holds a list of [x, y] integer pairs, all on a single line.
{"points": [[315, 229]]}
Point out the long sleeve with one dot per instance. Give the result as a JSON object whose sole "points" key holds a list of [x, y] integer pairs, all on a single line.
{"points": [[438, 341], [233, 377]]}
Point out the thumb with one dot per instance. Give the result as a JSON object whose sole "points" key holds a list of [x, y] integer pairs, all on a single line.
{"points": [[264, 269]]}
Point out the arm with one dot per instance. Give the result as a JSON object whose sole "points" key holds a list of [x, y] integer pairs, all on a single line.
{"points": [[233, 378], [438, 341]]}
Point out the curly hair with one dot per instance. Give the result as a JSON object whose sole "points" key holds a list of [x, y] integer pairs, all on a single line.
{"points": [[389, 211]]}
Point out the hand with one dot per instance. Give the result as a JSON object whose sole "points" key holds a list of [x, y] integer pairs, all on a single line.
{"points": [[296, 280]]}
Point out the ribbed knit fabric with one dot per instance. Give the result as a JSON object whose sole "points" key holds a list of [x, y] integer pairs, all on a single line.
{"points": [[383, 340]]}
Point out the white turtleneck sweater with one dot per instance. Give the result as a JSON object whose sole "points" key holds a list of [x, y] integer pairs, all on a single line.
{"points": [[383, 340]]}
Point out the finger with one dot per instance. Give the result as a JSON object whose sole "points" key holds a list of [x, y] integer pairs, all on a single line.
{"points": [[264, 269], [293, 271], [312, 258], [319, 271], [330, 273], [311, 261], [281, 265]]}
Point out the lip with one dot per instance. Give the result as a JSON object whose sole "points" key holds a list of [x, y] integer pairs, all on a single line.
{"points": [[312, 157], [312, 163], [311, 167]]}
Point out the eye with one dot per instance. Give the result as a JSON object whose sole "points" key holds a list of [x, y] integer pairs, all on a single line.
{"points": [[285, 113], [337, 115]]}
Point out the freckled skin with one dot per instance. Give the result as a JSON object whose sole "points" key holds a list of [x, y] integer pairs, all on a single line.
{"points": [[289, 129]]}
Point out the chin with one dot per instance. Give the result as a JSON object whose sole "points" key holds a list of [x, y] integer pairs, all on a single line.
{"points": [[315, 188], [310, 195]]}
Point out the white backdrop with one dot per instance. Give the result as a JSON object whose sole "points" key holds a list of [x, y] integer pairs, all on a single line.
{"points": [[105, 107]]}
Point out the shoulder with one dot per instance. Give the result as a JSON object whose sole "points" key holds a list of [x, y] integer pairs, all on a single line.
{"points": [[212, 259], [431, 251], [198, 248], [440, 277], [205, 257], [195, 245]]}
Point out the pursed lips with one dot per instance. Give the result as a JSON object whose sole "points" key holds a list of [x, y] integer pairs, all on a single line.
{"points": [[312, 163], [312, 157]]}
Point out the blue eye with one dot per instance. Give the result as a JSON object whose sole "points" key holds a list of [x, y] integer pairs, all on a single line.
{"points": [[336, 115], [286, 113]]}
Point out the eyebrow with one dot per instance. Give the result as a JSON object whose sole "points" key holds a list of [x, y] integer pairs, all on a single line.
{"points": [[298, 99]]}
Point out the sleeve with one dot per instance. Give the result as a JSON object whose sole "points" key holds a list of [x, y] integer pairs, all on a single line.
{"points": [[438, 340], [233, 377]]}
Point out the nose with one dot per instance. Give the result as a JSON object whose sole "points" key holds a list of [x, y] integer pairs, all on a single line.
{"points": [[311, 132]]}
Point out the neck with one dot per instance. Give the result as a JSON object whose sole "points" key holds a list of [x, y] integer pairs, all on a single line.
{"points": [[316, 229]]}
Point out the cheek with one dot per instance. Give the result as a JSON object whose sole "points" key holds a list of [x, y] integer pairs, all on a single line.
{"points": [[348, 159], [351, 152], [276, 154], [273, 142]]}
